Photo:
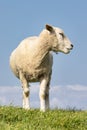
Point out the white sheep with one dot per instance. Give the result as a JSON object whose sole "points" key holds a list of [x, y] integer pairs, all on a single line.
{"points": [[32, 61]]}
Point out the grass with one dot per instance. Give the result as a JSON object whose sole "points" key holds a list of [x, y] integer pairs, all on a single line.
{"points": [[13, 118]]}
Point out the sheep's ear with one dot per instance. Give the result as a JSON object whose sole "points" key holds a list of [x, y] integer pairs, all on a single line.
{"points": [[49, 28]]}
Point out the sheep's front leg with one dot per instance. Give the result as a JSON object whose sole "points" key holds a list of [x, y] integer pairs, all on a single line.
{"points": [[26, 92], [47, 97], [44, 95]]}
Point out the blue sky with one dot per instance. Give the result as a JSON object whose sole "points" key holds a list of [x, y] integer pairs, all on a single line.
{"points": [[60, 96], [20, 19]]}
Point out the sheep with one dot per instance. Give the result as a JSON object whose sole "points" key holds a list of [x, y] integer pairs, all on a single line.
{"points": [[32, 61]]}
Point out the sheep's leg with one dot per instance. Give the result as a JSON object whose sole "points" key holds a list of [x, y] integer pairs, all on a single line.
{"points": [[44, 95], [26, 98], [26, 92], [47, 91], [47, 97]]}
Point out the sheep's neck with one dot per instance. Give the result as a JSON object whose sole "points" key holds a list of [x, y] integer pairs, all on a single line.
{"points": [[41, 53], [42, 48]]}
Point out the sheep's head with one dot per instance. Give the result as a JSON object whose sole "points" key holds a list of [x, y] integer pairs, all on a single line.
{"points": [[61, 43]]}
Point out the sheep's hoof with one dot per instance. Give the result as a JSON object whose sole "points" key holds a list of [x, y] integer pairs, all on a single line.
{"points": [[42, 110], [26, 107]]}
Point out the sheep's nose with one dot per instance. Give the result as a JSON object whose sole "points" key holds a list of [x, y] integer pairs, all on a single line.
{"points": [[72, 45]]}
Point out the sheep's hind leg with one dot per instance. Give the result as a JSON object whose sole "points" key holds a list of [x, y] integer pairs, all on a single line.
{"points": [[26, 91], [26, 98]]}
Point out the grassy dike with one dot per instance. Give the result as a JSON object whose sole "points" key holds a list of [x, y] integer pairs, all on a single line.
{"points": [[13, 118]]}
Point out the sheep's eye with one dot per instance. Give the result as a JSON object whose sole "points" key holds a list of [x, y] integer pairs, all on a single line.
{"points": [[62, 35]]}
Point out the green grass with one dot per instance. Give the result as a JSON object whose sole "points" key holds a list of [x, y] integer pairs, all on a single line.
{"points": [[13, 118]]}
